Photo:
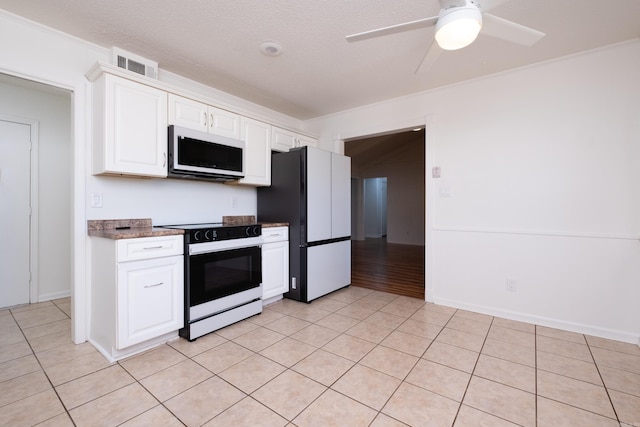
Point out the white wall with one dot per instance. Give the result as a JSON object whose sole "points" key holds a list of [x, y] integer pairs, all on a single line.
{"points": [[542, 168], [52, 110], [168, 201]]}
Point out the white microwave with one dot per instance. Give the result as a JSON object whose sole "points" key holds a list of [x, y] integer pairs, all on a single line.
{"points": [[199, 155]]}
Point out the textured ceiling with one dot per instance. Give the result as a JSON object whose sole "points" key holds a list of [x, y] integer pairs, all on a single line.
{"points": [[216, 42]]}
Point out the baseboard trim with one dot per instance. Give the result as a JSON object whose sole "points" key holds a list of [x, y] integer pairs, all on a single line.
{"points": [[54, 295], [580, 328]]}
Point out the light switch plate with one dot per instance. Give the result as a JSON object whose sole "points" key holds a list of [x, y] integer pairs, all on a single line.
{"points": [[445, 190], [96, 200]]}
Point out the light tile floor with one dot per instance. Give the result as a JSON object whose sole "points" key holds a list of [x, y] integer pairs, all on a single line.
{"points": [[353, 358]]}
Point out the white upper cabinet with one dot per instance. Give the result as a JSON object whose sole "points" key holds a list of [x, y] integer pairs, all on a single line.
{"points": [[283, 140], [130, 128], [192, 114], [304, 141], [256, 136]]}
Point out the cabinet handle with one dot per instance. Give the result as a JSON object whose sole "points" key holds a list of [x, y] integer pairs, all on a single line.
{"points": [[152, 247], [206, 122], [153, 286], [164, 159], [211, 121]]}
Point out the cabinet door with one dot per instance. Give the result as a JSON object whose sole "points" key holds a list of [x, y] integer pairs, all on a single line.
{"points": [[304, 140], [224, 123], [256, 136], [340, 195], [328, 268], [282, 139], [188, 113], [135, 129], [150, 299], [275, 269], [318, 194]]}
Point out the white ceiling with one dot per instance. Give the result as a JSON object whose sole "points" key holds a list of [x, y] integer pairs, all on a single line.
{"points": [[216, 42]]}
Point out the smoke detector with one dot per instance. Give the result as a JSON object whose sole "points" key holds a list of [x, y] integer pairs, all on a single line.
{"points": [[271, 49]]}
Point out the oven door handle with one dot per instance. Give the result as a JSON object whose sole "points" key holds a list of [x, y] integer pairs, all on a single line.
{"points": [[223, 245]]}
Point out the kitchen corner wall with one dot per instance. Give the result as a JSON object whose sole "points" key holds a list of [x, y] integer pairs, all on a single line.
{"points": [[538, 189], [37, 53]]}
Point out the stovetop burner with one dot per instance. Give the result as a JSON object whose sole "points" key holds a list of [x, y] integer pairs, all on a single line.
{"points": [[215, 231]]}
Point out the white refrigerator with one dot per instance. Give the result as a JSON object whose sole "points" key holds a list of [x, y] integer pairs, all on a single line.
{"points": [[310, 189]]}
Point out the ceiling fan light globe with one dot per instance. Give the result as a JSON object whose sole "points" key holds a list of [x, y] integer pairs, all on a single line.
{"points": [[458, 27]]}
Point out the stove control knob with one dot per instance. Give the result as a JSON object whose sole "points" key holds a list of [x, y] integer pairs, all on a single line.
{"points": [[255, 230], [208, 235], [197, 236]]}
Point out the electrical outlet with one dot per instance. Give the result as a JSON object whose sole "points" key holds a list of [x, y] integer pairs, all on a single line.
{"points": [[512, 285], [234, 202]]}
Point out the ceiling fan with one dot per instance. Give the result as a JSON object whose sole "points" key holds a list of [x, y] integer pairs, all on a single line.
{"points": [[457, 26]]}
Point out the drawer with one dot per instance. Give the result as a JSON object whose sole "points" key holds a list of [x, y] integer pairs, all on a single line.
{"points": [[149, 247], [275, 234]]}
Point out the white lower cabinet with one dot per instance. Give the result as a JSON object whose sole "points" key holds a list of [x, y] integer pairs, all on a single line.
{"points": [[149, 299], [137, 293], [275, 262]]}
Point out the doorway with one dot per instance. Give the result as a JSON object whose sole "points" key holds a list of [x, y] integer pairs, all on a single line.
{"points": [[388, 212], [44, 112]]}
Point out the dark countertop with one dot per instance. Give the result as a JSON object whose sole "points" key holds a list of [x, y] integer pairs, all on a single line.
{"points": [[273, 224], [250, 220], [117, 229]]}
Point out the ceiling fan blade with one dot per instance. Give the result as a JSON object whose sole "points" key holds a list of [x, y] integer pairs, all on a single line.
{"points": [[487, 5], [393, 29], [429, 58], [500, 28]]}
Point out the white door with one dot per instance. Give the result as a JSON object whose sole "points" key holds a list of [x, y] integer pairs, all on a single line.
{"points": [[15, 173]]}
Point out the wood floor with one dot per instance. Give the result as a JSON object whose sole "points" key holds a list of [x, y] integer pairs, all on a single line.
{"points": [[389, 267]]}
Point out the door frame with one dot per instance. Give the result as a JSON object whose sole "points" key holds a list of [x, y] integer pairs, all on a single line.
{"points": [[33, 201]]}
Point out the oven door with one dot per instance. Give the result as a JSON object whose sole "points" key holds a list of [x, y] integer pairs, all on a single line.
{"points": [[214, 275]]}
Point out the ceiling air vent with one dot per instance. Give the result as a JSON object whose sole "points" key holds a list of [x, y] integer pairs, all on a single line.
{"points": [[135, 63]]}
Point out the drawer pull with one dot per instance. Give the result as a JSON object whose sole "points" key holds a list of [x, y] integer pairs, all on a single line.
{"points": [[153, 286], [153, 247]]}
